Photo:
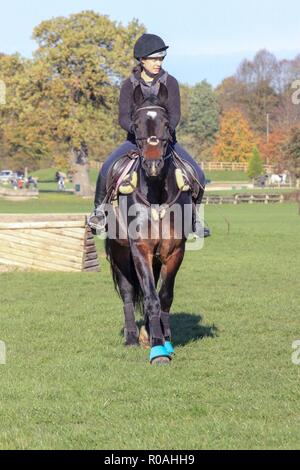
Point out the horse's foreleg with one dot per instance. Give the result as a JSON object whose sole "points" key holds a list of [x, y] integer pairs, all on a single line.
{"points": [[127, 293], [143, 264], [169, 270], [127, 285]]}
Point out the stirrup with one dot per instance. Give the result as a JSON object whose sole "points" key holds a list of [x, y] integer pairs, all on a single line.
{"points": [[97, 220], [199, 230]]}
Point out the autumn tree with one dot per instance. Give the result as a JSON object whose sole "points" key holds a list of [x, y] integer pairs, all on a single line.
{"points": [[263, 87], [64, 101], [86, 56], [292, 152], [235, 140], [24, 137], [230, 94], [272, 149]]}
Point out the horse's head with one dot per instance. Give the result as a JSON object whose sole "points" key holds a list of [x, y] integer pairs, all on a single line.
{"points": [[151, 127]]}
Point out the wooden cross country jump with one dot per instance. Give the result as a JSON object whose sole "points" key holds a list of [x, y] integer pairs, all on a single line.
{"points": [[48, 242]]}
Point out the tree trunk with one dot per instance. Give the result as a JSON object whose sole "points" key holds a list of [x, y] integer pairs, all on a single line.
{"points": [[81, 178]]}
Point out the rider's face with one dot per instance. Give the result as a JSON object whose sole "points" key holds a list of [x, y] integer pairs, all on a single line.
{"points": [[153, 65]]}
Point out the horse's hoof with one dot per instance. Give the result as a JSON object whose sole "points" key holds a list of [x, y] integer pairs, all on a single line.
{"points": [[144, 338], [161, 361], [159, 355], [131, 338]]}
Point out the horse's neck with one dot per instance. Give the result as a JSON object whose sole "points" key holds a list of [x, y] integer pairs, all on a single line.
{"points": [[158, 190], [152, 189]]}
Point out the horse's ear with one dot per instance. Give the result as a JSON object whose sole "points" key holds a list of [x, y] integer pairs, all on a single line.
{"points": [[138, 96], [163, 95]]}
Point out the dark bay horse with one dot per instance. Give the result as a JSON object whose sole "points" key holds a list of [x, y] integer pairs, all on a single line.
{"points": [[154, 251]]}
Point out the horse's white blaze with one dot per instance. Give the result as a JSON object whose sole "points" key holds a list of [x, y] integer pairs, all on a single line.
{"points": [[152, 114]]}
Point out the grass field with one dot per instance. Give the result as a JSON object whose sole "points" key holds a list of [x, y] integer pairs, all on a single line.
{"points": [[69, 383], [226, 176], [48, 203], [47, 181], [46, 175]]}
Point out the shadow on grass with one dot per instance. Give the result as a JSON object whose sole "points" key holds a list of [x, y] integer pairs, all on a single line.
{"points": [[187, 327]]}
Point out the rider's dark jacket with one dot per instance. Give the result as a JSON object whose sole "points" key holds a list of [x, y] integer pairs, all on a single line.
{"points": [[126, 104]]}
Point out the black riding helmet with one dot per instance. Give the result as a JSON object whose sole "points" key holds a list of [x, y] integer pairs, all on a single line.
{"points": [[148, 44]]}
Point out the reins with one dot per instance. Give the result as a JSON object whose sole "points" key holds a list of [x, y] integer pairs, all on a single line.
{"points": [[164, 206]]}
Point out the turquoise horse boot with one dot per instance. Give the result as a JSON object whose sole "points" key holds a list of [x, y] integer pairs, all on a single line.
{"points": [[160, 355], [169, 348]]}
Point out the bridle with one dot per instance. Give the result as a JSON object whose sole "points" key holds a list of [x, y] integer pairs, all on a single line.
{"points": [[152, 140], [140, 196]]}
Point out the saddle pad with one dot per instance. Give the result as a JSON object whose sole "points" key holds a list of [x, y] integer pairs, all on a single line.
{"points": [[119, 170]]}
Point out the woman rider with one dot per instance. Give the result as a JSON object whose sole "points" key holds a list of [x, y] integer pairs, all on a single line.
{"points": [[150, 50]]}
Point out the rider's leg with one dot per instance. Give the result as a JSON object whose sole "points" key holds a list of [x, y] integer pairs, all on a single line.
{"points": [[119, 152], [197, 226], [187, 157], [98, 218]]}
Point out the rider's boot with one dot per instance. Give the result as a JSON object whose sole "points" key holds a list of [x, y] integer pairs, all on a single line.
{"points": [[199, 230], [97, 220]]}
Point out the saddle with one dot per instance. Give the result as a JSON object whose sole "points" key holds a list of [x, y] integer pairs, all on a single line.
{"points": [[122, 176], [186, 176]]}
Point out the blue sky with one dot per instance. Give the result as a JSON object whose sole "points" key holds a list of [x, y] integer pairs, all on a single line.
{"points": [[208, 39]]}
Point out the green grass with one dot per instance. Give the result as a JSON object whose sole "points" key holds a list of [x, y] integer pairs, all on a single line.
{"points": [[69, 203], [47, 175], [48, 203], [69, 383], [46, 179], [226, 176], [230, 192]]}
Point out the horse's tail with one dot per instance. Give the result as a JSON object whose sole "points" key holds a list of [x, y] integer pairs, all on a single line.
{"points": [[137, 291]]}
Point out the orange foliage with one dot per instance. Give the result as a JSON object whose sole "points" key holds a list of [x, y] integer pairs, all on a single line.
{"points": [[272, 152], [235, 140]]}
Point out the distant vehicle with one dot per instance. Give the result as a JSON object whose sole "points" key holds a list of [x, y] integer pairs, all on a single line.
{"points": [[6, 175]]}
